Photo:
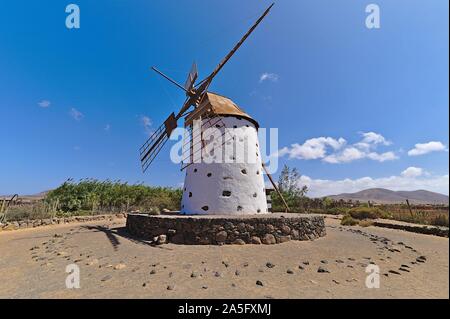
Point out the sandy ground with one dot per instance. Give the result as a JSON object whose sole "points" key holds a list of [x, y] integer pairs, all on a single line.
{"points": [[113, 265]]}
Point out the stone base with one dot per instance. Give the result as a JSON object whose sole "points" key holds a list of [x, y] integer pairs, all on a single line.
{"points": [[219, 230]]}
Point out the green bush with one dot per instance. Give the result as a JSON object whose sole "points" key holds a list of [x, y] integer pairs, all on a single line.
{"points": [[361, 213], [347, 220], [98, 197]]}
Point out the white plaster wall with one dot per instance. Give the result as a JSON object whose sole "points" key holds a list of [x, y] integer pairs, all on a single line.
{"points": [[242, 176]]}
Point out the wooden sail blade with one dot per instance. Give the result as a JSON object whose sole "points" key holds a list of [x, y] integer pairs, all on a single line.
{"points": [[154, 144], [205, 83]]}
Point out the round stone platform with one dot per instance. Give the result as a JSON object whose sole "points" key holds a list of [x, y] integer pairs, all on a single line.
{"points": [[226, 229]]}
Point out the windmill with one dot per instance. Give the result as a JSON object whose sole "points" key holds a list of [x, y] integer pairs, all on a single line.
{"points": [[218, 187]]}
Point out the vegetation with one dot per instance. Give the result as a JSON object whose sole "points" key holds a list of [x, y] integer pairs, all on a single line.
{"points": [[348, 220], [353, 211], [93, 197]]}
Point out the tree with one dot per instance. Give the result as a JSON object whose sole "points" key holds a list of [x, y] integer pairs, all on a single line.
{"points": [[292, 191]]}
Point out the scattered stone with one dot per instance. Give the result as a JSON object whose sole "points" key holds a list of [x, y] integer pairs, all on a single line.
{"points": [[259, 283], [245, 265], [289, 271], [92, 262], [339, 261], [301, 267], [225, 263], [194, 274], [324, 261], [403, 269], [394, 272], [322, 270], [313, 282], [237, 273], [217, 274], [170, 287], [306, 263], [152, 272], [204, 287], [106, 278], [336, 282], [120, 266], [269, 265]]}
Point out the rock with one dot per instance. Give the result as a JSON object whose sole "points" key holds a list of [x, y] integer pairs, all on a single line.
{"points": [[106, 278], [301, 267], [259, 283], [225, 263], [245, 265], [92, 262], [269, 239], [306, 263], [403, 269], [237, 273], [339, 261], [204, 287], [194, 274], [217, 274], [285, 229], [239, 241], [270, 265], [170, 287], [221, 236], [162, 239], [394, 272], [255, 240], [289, 271], [152, 272], [284, 239], [336, 282], [322, 270], [324, 262], [120, 266]]}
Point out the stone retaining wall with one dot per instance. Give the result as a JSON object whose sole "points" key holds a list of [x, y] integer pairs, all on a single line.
{"points": [[56, 221], [420, 229], [219, 230]]}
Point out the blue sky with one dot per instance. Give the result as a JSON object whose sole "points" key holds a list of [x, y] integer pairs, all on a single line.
{"points": [[73, 102]]}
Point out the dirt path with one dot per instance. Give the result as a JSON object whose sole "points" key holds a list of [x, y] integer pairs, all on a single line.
{"points": [[112, 265]]}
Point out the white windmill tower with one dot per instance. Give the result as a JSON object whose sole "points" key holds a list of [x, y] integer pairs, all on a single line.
{"points": [[221, 156]]}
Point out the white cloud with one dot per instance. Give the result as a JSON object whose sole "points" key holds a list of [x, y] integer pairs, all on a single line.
{"points": [[44, 103], [412, 172], [320, 187], [268, 77], [107, 127], [147, 124], [425, 148], [77, 115], [336, 151], [314, 148]]}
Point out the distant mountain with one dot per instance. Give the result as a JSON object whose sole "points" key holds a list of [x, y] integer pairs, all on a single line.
{"points": [[386, 196]]}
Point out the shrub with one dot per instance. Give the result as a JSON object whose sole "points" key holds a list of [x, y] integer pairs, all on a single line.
{"points": [[347, 220], [365, 223], [361, 213]]}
